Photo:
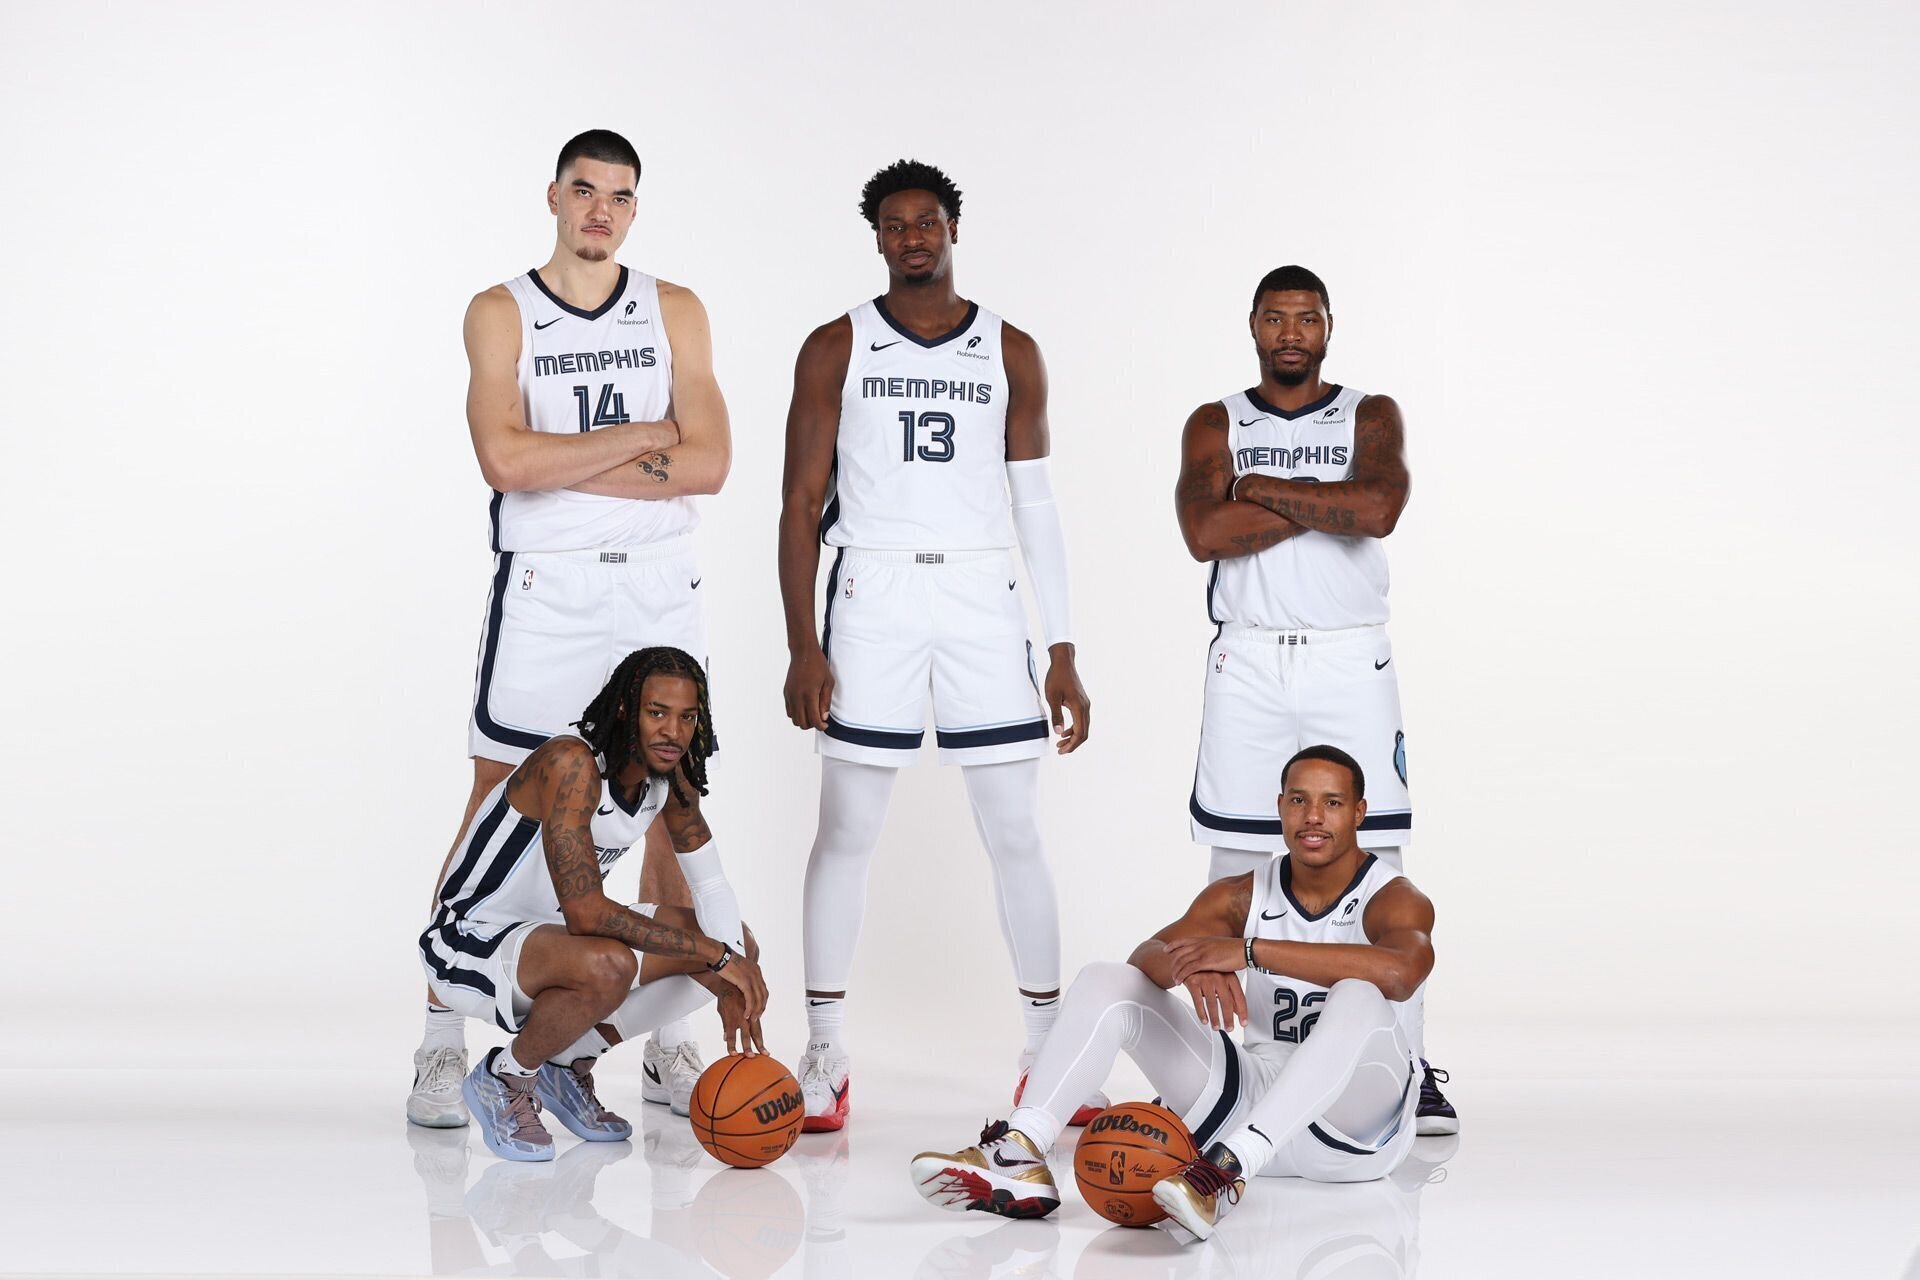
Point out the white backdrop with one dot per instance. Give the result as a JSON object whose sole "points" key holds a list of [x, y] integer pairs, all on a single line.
{"points": [[1641, 279]]}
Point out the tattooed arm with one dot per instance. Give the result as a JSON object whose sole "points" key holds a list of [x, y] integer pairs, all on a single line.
{"points": [[1367, 506], [559, 786], [698, 462], [1214, 525]]}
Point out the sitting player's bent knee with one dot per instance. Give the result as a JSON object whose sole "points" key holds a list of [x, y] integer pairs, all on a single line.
{"points": [[608, 967], [1361, 996], [1108, 980]]}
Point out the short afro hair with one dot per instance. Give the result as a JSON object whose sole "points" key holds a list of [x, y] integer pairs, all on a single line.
{"points": [[1332, 755], [1291, 279], [603, 145], [907, 175]]}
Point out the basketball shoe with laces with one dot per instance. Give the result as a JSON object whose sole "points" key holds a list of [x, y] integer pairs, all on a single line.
{"points": [[568, 1093], [1436, 1116], [825, 1081], [435, 1100], [1083, 1114], [1199, 1193], [667, 1075], [508, 1113], [1004, 1174]]}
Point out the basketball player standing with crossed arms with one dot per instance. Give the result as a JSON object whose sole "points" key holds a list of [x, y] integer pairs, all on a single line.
{"points": [[917, 447], [1289, 488], [596, 418]]}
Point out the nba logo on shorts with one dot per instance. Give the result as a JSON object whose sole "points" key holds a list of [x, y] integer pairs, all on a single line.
{"points": [[526, 583], [1220, 662], [849, 591]]}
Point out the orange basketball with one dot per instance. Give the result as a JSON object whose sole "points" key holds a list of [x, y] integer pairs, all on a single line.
{"points": [[1122, 1152], [746, 1110]]}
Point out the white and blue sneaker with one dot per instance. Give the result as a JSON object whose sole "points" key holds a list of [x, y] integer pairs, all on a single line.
{"points": [[568, 1093], [507, 1113]]}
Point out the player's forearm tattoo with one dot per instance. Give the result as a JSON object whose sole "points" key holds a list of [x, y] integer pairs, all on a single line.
{"points": [[1328, 518], [1248, 543], [643, 934], [685, 825], [655, 465], [1203, 480]]}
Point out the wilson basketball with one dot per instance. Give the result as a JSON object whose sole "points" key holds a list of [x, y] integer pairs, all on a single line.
{"points": [[746, 1110], [1122, 1152]]}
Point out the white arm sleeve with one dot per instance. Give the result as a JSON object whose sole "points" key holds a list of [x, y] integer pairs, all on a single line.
{"points": [[714, 902], [1037, 522]]}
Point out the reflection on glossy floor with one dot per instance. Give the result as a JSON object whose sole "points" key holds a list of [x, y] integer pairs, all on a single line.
{"points": [[316, 1173]]}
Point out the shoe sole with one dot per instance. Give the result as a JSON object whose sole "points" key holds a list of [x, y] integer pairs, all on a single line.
{"points": [[456, 1119], [962, 1187], [505, 1153], [1436, 1126], [1179, 1209]]}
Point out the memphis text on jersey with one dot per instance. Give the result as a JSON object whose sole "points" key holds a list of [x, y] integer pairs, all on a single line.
{"points": [[926, 389], [593, 361], [1315, 455]]}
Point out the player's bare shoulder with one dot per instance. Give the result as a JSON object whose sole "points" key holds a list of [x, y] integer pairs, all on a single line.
{"points": [[1209, 417], [1399, 903], [678, 301], [493, 317], [827, 349], [553, 764]]}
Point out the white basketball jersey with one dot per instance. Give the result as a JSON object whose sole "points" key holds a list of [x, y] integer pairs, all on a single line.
{"points": [[921, 462], [1281, 1011], [500, 874], [580, 370], [1313, 581]]}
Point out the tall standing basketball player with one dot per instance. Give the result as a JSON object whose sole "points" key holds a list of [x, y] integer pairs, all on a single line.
{"points": [[917, 448], [596, 419], [1290, 488]]}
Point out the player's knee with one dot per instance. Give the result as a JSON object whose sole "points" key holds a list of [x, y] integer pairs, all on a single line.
{"points": [[608, 968], [1106, 980], [1361, 997]]}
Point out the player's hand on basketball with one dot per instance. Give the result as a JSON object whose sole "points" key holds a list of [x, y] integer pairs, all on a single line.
{"points": [[1206, 955], [744, 976], [1067, 699], [809, 688], [741, 1033], [1218, 998]]}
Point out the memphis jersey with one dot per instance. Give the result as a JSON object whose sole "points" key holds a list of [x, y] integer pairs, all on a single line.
{"points": [[921, 462], [1313, 581], [579, 371], [499, 878], [1281, 1011]]}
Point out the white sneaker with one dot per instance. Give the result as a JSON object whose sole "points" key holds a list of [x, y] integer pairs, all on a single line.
{"points": [[1095, 1103], [825, 1082], [669, 1074], [435, 1102]]}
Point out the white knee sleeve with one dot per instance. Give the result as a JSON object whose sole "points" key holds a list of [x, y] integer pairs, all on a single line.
{"points": [[1005, 800]]}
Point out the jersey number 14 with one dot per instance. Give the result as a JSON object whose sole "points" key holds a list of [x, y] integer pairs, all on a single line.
{"points": [[939, 429], [611, 411]]}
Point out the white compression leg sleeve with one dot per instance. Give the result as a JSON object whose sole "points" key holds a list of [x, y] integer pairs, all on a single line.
{"points": [[1112, 1009], [1235, 862], [1352, 1071], [1005, 800], [853, 807], [654, 1004]]}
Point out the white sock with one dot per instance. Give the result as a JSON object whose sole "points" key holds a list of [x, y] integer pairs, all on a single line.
{"points": [[1227, 862], [676, 1032], [590, 1045], [1038, 1016], [446, 1029], [1005, 802], [853, 805], [506, 1065], [825, 1021]]}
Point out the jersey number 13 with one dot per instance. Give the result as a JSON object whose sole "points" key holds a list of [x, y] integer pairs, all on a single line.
{"points": [[939, 431]]}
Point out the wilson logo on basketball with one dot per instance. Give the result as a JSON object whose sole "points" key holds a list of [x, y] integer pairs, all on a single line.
{"points": [[1110, 1123], [771, 1110]]}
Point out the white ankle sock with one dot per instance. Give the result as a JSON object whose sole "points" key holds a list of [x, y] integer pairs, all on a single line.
{"points": [[1038, 1016], [825, 1021], [445, 1029], [590, 1045], [505, 1064]]}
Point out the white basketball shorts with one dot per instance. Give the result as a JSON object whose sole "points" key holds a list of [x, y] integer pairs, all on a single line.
{"points": [[556, 625], [899, 623], [1237, 1078], [1270, 693], [473, 966]]}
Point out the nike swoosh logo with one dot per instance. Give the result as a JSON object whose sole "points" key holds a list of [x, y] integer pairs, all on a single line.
{"points": [[608, 810], [882, 346], [652, 1074], [1250, 421], [1378, 665], [1011, 1164], [1009, 586], [1041, 1004], [816, 1003], [841, 1093], [696, 584], [549, 324], [1271, 915], [1256, 1128]]}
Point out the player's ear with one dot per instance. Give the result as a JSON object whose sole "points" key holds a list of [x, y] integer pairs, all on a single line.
{"points": [[553, 198], [953, 230], [1359, 814]]}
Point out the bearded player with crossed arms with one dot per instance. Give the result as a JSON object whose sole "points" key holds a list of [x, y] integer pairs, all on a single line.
{"points": [[1312, 954]]}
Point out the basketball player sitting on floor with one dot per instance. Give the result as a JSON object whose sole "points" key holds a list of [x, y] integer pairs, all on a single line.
{"points": [[1323, 1085], [523, 933]]}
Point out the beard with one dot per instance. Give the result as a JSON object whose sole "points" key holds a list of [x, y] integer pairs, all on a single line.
{"points": [[1292, 375], [592, 253]]}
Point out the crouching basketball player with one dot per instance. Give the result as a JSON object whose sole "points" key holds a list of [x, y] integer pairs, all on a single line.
{"points": [[1312, 954], [524, 935]]}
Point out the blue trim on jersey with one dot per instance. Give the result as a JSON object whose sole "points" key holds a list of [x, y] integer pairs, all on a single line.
{"points": [[966, 323], [1213, 581], [1229, 1096], [833, 589], [493, 521], [890, 738], [1335, 1143], [482, 837], [1254, 398], [619, 287], [481, 715], [1206, 817], [453, 976], [991, 736], [466, 944], [830, 516], [500, 868], [1286, 886]]}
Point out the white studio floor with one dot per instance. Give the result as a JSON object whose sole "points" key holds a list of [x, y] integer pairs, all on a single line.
{"points": [[316, 1173]]}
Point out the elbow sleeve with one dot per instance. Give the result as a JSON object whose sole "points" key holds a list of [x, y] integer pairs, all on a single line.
{"points": [[1036, 521]]}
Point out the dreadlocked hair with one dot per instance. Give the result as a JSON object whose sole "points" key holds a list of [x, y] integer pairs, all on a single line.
{"points": [[611, 722]]}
